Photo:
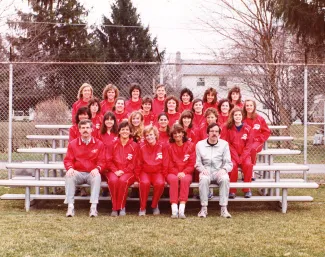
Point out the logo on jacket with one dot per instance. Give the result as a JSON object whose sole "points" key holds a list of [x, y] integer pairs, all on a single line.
{"points": [[186, 157], [94, 150], [159, 156], [244, 137], [130, 156], [257, 126]]}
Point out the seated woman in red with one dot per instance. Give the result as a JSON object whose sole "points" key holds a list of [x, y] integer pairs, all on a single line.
{"points": [[151, 169], [259, 129], [181, 166], [119, 110], [186, 121], [121, 157], [96, 116], [108, 130], [210, 99], [149, 117], [110, 93], [198, 117], [83, 113], [171, 109], [186, 97], [234, 97], [224, 108], [85, 93], [237, 134], [134, 103], [163, 128]]}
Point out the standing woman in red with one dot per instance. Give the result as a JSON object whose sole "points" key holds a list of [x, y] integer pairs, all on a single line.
{"points": [[96, 116], [210, 99], [186, 97], [151, 169], [119, 110], [171, 109], [181, 166], [198, 117], [136, 124], [186, 121], [134, 103], [121, 158], [110, 93], [159, 100], [237, 134], [85, 93], [259, 129], [108, 130], [234, 97], [148, 116], [163, 128], [224, 108]]}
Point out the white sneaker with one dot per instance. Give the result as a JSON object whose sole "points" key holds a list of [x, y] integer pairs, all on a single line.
{"points": [[156, 211], [114, 214], [203, 213], [142, 213], [182, 216], [70, 212], [122, 212], [93, 212], [174, 215], [225, 213]]}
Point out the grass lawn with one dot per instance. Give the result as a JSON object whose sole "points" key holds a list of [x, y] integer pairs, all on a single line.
{"points": [[256, 229]]}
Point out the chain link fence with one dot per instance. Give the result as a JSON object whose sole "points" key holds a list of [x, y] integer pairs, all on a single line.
{"points": [[38, 88]]}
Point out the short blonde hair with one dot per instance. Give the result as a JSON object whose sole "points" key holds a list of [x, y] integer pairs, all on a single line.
{"points": [[148, 129], [83, 86]]}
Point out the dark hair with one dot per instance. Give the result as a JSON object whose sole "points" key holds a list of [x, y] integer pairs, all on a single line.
{"points": [[134, 86], [254, 114], [237, 90], [146, 99], [210, 90], [124, 124], [103, 128], [82, 110], [108, 88], [171, 97], [186, 114], [92, 101], [196, 101], [230, 122], [84, 122], [184, 91], [119, 98], [159, 86], [164, 114], [177, 128], [223, 101], [212, 125]]}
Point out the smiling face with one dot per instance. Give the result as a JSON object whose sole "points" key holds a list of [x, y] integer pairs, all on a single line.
{"points": [[225, 108], [211, 118], [109, 123], [249, 107], [198, 107], [146, 107], [83, 116], [171, 106], [111, 95], [86, 93], [119, 106], [186, 98], [186, 121], [178, 136], [94, 108], [163, 121], [136, 120], [125, 132], [235, 96], [210, 97], [135, 94], [238, 117], [161, 92], [150, 137]]}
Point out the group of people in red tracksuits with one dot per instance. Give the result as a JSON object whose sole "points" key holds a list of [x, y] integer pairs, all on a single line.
{"points": [[152, 141]]}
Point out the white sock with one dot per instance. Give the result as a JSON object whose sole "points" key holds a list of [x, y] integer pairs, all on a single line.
{"points": [[204, 208], [223, 208], [71, 205], [182, 208], [93, 206], [174, 208]]}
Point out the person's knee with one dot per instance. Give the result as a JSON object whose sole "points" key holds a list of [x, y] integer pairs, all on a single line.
{"points": [[224, 179], [204, 180]]}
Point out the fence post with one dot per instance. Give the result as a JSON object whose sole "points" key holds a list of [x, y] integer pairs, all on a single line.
{"points": [[305, 112], [10, 119]]}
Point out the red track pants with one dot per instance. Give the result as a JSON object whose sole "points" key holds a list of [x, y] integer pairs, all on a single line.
{"points": [[179, 188], [247, 168]]}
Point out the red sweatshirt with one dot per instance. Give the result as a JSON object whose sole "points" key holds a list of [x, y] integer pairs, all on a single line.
{"points": [[82, 157], [75, 107], [181, 158], [198, 120], [152, 159], [222, 120], [107, 139], [97, 121], [121, 157], [74, 132], [133, 106], [260, 130], [239, 141], [208, 105], [201, 133], [149, 119], [163, 137], [191, 135], [121, 116], [106, 106], [157, 106], [173, 118], [182, 107]]}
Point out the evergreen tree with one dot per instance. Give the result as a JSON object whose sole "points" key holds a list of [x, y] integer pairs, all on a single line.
{"points": [[129, 40]]}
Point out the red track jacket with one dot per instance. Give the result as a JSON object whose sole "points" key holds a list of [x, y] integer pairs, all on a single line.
{"points": [[260, 130], [149, 119], [133, 106], [181, 158], [106, 106], [182, 107], [157, 106]]}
